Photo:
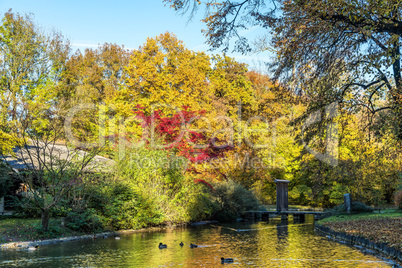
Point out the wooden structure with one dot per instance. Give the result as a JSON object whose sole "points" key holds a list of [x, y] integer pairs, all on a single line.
{"points": [[282, 195], [297, 215], [282, 207]]}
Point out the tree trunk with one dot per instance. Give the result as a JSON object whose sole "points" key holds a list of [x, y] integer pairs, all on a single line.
{"points": [[45, 219], [397, 94], [398, 113]]}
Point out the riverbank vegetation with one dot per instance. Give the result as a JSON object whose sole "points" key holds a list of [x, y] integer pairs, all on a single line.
{"points": [[186, 136]]}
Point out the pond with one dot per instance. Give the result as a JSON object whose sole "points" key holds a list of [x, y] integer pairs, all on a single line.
{"points": [[255, 244]]}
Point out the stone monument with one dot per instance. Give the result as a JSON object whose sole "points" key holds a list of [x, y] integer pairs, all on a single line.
{"points": [[348, 203]]}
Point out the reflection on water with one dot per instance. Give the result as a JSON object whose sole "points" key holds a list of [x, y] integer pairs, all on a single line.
{"points": [[254, 244]]}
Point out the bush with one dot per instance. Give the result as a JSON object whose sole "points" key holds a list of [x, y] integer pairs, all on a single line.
{"points": [[233, 199], [398, 199], [163, 194], [52, 232], [357, 207], [24, 207], [86, 221], [126, 208]]}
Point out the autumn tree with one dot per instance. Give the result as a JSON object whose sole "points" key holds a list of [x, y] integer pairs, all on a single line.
{"points": [[31, 113], [164, 72], [30, 62], [91, 78], [347, 51], [231, 86], [164, 75]]}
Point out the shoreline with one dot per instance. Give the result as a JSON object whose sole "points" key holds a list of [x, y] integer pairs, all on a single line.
{"points": [[370, 246], [26, 244]]}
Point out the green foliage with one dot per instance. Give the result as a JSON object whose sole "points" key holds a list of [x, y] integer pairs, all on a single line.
{"points": [[146, 191], [86, 221], [24, 207], [233, 199], [52, 232], [127, 209], [164, 193]]}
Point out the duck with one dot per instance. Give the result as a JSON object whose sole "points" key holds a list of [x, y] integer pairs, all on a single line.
{"points": [[193, 245], [33, 247], [181, 244], [161, 246], [226, 260], [117, 237]]}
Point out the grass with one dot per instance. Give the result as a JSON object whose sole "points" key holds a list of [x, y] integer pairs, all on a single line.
{"points": [[14, 229], [386, 213], [384, 227]]}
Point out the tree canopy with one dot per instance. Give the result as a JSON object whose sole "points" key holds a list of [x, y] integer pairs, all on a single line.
{"points": [[345, 51]]}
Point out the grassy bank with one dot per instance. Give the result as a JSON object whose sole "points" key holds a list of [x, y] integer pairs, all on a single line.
{"points": [[21, 229], [384, 227]]}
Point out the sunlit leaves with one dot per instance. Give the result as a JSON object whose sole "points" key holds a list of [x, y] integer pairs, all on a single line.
{"points": [[164, 72]]}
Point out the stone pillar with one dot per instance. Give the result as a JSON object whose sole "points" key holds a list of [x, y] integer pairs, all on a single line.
{"points": [[281, 195], [348, 203]]}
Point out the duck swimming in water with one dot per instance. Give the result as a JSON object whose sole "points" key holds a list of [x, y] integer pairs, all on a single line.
{"points": [[161, 246], [33, 248], [181, 244], [193, 245], [226, 260]]}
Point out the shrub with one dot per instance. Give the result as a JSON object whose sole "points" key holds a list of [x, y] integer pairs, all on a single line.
{"points": [[164, 194], [200, 205], [127, 208], [233, 199], [52, 232], [357, 207], [86, 221], [24, 207]]}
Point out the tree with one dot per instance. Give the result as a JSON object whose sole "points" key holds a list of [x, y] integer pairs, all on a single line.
{"points": [[95, 75], [52, 173], [164, 75], [231, 87], [31, 115], [92, 77], [29, 60], [345, 51], [164, 72]]}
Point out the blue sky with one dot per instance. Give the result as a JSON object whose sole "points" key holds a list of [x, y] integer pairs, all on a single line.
{"points": [[87, 23]]}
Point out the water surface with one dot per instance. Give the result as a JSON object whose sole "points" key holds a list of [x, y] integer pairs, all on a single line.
{"points": [[254, 244]]}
